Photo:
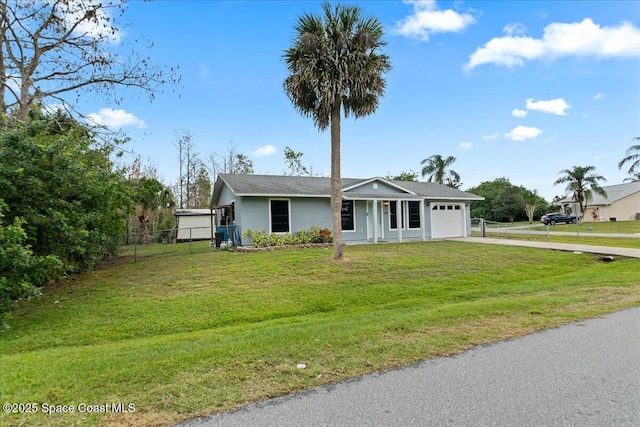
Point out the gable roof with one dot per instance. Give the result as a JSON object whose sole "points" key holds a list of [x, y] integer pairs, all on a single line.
{"points": [[306, 186], [614, 193]]}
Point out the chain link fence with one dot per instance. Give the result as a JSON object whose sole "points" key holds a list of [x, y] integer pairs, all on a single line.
{"points": [[136, 246]]}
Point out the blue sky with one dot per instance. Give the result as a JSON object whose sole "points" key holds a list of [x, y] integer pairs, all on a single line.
{"points": [[518, 89]]}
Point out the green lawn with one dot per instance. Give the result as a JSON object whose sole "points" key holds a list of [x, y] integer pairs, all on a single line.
{"points": [[181, 335]]}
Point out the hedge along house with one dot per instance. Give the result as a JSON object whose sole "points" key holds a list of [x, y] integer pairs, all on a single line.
{"points": [[374, 209]]}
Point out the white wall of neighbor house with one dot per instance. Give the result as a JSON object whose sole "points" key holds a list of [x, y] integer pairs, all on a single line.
{"points": [[625, 209]]}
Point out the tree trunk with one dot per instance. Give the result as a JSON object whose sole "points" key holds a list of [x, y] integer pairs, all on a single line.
{"points": [[336, 184], [144, 227]]}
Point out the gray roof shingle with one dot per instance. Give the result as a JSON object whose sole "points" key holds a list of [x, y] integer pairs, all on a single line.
{"points": [[304, 186]]}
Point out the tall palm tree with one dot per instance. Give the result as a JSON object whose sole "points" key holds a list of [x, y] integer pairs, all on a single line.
{"points": [[335, 66], [436, 167], [633, 157], [582, 182]]}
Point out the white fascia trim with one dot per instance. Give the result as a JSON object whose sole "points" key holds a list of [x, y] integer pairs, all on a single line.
{"points": [[284, 196]]}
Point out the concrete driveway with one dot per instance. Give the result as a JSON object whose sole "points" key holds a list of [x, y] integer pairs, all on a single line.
{"points": [[583, 374]]}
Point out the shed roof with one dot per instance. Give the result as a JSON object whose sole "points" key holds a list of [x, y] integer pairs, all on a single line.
{"points": [[305, 186], [192, 212]]}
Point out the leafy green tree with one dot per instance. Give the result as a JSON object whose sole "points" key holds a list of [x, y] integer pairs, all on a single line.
{"points": [[404, 176], [436, 166], [499, 194], [508, 204], [581, 182], [633, 158], [490, 190], [21, 272], [64, 185], [336, 67], [147, 193]]}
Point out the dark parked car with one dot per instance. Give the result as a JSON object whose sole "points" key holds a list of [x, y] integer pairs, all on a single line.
{"points": [[556, 218]]}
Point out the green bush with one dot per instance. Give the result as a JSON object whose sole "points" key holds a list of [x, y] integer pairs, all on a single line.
{"points": [[21, 272], [313, 235]]}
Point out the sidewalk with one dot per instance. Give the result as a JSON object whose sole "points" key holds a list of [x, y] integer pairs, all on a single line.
{"points": [[570, 247]]}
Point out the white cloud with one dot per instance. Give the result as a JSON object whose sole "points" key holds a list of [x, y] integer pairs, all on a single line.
{"points": [[519, 113], [515, 28], [427, 19], [466, 145], [554, 106], [115, 118], [599, 95], [265, 151], [522, 133], [584, 39], [492, 136]]}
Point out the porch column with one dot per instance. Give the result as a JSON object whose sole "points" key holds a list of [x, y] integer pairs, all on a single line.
{"points": [[399, 218], [375, 221], [423, 222]]}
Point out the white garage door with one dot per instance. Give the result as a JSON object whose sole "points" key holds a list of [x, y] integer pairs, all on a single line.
{"points": [[447, 220]]}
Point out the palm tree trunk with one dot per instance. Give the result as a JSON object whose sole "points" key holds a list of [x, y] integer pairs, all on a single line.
{"points": [[336, 184]]}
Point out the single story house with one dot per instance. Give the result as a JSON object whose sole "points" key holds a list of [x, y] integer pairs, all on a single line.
{"points": [[373, 209], [194, 224], [621, 204]]}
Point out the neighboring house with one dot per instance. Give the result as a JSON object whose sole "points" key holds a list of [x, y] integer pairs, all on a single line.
{"points": [[621, 204], [194, 224], [373, 209]]}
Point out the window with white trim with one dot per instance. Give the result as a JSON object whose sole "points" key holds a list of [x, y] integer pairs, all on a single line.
{"points": [[414, 214], [279, 212], [348, 222]]}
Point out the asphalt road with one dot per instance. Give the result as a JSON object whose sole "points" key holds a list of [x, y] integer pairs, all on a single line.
{"points": [[583, 374]]}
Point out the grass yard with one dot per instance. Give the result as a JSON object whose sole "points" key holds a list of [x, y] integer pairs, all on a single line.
{"points": [[620, 227], [189, 334]]}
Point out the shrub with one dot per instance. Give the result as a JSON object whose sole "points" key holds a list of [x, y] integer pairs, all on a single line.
{"points": [[313, 235], [21, 272]]}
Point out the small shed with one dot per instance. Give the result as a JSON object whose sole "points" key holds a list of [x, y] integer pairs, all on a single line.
{"points": [[194, 224]]}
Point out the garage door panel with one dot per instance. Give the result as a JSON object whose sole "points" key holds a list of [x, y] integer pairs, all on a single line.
{"points": [[447, 220]]}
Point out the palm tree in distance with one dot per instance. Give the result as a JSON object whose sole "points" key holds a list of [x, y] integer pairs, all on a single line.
{"points": [[633, 157], [436, 167], [582, 182], [335, 66]]}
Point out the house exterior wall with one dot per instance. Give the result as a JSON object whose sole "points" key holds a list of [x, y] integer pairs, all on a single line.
{"points": [[253, 212], [375, 187], [624, 209]]}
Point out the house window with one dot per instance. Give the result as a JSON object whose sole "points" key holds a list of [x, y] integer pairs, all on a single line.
{"points": [[414, 214], [393, 214], [279, 216], [348, 224]]}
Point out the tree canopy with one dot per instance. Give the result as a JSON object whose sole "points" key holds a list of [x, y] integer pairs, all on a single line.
{"points": [[504, 201], [632, 158], [65, 187], [436, 166], [581, 182]]}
